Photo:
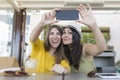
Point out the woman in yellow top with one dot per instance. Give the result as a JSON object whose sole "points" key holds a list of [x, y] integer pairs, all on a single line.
{"points": [[49, 54]]}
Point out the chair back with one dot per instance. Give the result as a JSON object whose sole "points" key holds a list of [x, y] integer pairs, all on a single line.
{"points": [[8, 62]]}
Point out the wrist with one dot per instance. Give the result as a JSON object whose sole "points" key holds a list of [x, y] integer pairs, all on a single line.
{"points": [[66, 71], [94, 27], [42, 23]]}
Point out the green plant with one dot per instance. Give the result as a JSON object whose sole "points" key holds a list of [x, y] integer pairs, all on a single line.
{"points": [[88, 38], [118, 64], [87, 35]]}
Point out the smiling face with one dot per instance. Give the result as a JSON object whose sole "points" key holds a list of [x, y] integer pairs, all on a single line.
{"points": [[67, 36], [54, 38]]}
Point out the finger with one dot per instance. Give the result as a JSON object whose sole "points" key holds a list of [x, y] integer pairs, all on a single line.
{"points": [[55, 66], [44, 16], [58, 69], [51, 16], [47, 14], [54, 13], [62, 70], [90, 9], [82, 10], [83, 7], [57, 9]]}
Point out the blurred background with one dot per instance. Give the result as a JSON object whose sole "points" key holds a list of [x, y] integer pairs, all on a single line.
{"points": [[19, 17]]}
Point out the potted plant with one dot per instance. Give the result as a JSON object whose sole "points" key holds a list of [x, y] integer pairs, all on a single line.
{"points": [[118, 65], [88, 37]]}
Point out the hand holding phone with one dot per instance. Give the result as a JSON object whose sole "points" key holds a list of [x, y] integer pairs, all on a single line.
{"points": [[67, 15]]}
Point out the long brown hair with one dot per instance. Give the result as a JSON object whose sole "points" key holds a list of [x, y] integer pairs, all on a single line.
{"points": [[59, 53], [74, 55]]}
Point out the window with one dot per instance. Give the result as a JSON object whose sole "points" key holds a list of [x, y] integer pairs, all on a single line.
{"points": [[6, 22]]}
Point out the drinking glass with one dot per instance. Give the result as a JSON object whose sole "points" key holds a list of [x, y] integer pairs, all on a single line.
{"points": [[30, 66]]}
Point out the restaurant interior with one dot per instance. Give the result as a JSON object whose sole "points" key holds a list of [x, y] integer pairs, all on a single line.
{"points": [[19, 17]]}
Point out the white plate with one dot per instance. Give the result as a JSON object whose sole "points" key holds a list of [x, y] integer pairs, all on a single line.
{"points": [[10, 69]]}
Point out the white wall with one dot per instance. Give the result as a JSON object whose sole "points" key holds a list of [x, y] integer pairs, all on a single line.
{"points": [[112, 21]]}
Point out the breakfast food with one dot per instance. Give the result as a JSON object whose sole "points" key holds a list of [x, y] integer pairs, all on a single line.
{"points": [[15, 73]]}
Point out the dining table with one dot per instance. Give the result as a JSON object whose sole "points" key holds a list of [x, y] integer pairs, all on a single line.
{"points": [[71, 76]]}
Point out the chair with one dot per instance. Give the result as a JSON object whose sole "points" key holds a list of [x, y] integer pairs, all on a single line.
{"points": [[8, 62]]}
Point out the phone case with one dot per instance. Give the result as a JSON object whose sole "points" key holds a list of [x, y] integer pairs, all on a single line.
{"points": [[67, 15]]}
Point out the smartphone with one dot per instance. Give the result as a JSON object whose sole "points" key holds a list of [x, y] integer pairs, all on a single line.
{"points": [[67, 15]]}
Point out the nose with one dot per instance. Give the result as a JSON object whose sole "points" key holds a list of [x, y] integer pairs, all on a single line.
{"points": [[56, 36], [64, 36]]}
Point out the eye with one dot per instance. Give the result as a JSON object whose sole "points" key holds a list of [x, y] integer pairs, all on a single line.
{"points": [[70, 32], [51, 33]]}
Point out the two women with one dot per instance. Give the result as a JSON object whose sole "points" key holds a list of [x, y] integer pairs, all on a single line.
{"points": [[50, 55]]}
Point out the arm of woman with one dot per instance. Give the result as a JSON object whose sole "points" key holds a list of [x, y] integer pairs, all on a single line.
{"points": [[47, 19], [89, 20]]}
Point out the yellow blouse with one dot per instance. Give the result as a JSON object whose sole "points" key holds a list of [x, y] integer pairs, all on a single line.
{"points": [[45, 60]]}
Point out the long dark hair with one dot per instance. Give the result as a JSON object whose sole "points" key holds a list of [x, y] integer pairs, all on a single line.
{"points": [[74, 55], [59, 53]]}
